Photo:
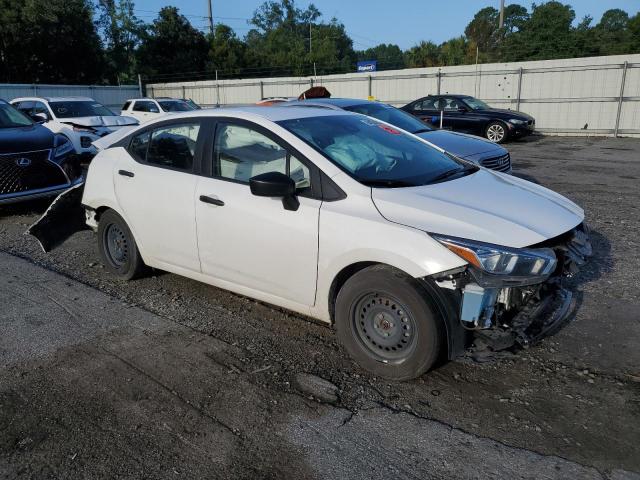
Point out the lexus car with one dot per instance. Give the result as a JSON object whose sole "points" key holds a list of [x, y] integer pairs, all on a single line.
{"points": [[411, 253], [82, 120], [468, 147], [34, 162], [463, 113]]}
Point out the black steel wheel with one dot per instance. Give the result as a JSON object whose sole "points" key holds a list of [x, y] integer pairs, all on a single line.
{"points": [[388, 323], [496, 132], [117, 247], [384, 326]]}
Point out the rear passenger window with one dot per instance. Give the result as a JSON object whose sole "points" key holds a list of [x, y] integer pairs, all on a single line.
{"points": [[126, 106], [172, 146], [139, 145]]}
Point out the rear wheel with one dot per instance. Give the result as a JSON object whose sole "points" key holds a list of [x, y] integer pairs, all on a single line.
{"points": [[117, 248], [496, 132], [387, 323]]}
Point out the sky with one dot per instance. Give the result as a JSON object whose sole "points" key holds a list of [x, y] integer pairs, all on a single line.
{"points": [[371, 22]]}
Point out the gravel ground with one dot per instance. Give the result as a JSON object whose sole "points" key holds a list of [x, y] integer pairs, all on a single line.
{"points": [[574, 397]]}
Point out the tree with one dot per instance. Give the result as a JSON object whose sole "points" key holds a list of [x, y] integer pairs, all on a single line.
{"points": [[387, 55], [227, 52], [121, 31], [288, 41], [546, 34], [612, 33], [172, 46], [425, 54], [483, 32], [456, 52], [42, 40]]}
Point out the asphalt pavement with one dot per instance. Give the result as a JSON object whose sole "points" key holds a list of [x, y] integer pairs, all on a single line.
{"points": [[165, 377]]}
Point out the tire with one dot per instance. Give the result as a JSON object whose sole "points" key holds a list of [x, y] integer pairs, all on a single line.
{"points": [[387, 323], [117, 247], [496, 132]]}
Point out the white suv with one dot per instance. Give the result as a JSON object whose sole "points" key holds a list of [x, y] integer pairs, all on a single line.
{"points": [[81, 119], [410, 252], [145, 109]]}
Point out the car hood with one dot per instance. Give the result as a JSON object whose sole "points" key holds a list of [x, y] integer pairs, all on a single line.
{"points": [[105, 121], [506, 113], [462, 145], [485, 206], [25, 139]]}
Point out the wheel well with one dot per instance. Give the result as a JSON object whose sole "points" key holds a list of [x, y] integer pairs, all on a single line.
{"points": [[451, 330], [99, 212], [340, 279]]}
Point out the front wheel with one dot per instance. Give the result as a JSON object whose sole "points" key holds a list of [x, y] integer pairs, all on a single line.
{"points": [[117, 248], [387, 323], [496, 132]]}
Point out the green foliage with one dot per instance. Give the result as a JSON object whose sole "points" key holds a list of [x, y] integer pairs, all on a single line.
{"points": [[172, 45], [121, 31], [43, 41]]}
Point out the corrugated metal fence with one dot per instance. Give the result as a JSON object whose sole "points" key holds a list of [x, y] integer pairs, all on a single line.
{"points": [[112, 97], [578, 96]]}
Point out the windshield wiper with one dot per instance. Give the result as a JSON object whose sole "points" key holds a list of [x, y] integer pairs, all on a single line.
{"points": [[452, 172], [423, 130], [388, 183]]}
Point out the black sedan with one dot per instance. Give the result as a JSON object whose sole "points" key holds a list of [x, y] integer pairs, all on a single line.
{"points": [[468, 147], [463, 113], [34, 162]]}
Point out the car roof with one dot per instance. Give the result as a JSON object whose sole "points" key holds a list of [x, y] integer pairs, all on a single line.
{"points": [[273, 113], [454, 95], [335, 102], [55, 99]]}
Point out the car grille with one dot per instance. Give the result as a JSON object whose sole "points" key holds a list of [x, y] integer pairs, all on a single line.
{"points": [[500, 164], [22, 172]]}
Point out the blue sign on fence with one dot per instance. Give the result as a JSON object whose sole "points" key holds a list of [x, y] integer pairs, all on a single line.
{"points": [[368, 66]]}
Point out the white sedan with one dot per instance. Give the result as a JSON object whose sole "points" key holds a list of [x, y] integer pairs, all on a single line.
{"points": [[81, 120], [410, 252]]}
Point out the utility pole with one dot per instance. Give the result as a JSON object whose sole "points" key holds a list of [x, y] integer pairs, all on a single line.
{"points": [[210, 17], [501, 13], [309, 37]]}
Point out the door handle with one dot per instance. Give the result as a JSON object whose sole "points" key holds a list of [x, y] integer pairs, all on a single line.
{"points": [[211, 200], [126, 173]]}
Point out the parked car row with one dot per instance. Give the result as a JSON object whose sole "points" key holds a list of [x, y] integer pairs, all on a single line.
{"points": [[44, 140], [412, 253]]}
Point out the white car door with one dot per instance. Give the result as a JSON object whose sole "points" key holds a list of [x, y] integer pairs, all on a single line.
{"points": [[250, 241], [155, 185]]}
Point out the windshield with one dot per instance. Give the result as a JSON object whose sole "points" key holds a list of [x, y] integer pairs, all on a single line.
{"points": [[391, 115], [476, 104], [175, 106], [75, 109], [374, 153], [12, 118]]}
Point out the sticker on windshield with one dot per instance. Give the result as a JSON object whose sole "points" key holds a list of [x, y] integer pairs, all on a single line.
{"points": [[388, 129]]}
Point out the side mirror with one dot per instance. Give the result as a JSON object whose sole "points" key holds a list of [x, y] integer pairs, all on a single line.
{"points": [[275, 184], [39, 117]]}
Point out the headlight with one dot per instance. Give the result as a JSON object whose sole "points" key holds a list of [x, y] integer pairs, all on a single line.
{"points": [[515, 121], [62, 147], [496, 266]]}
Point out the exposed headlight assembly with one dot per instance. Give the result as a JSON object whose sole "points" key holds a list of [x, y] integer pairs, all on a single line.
{"points": [[62, 147], [497, 266], [515, 121]]}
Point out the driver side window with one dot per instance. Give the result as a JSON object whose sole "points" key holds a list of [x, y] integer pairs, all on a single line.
{"points": [[241, 153]]}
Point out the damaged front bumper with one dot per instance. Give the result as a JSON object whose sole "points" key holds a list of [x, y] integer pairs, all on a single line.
{"points": [[501, 317]]}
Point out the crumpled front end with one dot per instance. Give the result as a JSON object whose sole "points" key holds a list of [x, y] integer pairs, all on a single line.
{"points": [[506, 314]]}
